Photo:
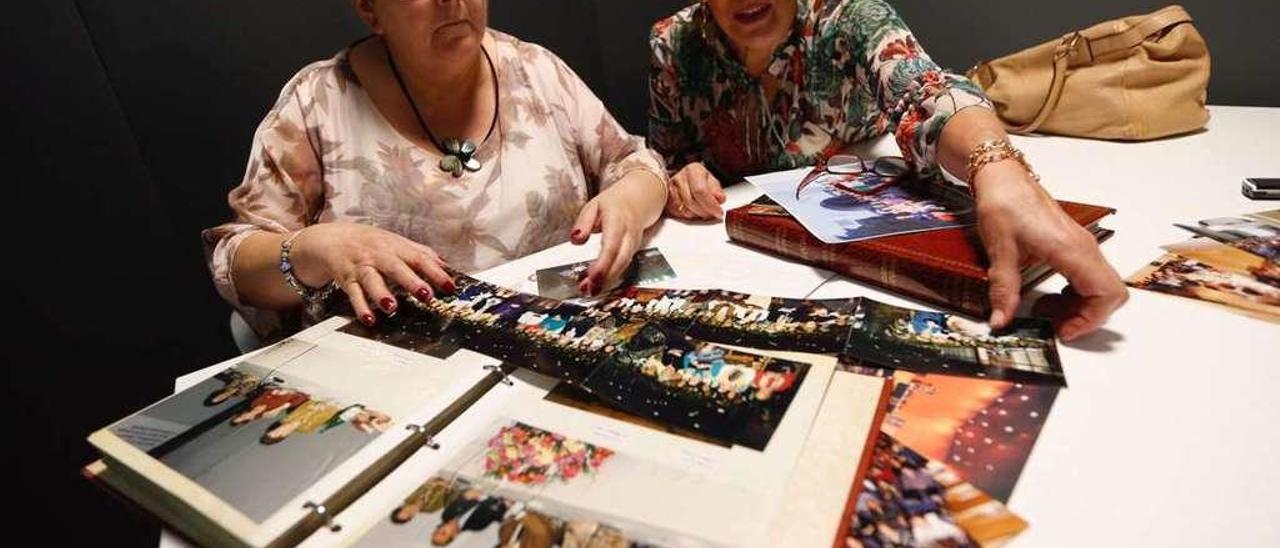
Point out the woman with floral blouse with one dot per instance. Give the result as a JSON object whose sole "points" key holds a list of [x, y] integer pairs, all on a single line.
{"points": [[759, 85], [436, 142]]}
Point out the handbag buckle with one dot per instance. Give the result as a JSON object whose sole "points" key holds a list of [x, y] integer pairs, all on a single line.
{"points": [[1068, 45]]}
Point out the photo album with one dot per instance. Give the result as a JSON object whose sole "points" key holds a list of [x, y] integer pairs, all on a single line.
{"points": [[489, 416]]}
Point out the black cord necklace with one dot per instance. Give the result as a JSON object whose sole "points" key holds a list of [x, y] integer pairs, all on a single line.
{"points": [[459, 154]]}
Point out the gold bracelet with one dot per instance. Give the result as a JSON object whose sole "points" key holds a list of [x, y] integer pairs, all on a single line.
{"points": [[996, 150]]}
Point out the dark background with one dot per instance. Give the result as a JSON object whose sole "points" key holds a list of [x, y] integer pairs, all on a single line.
{"points": [[128, 122]]}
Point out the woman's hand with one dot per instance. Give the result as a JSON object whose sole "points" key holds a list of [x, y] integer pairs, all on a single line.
{"points": [[361, 258], [1017, 219], [695, 194], [621, 214]]}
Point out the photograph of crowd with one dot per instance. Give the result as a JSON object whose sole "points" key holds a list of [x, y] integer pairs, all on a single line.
{"points": [[934, 342], [649, 368], [253, 437], [907, 500], [1177, 275], [724, 394]]}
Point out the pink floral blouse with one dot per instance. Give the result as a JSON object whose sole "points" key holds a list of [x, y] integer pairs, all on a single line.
{"points": [[325, 153]]}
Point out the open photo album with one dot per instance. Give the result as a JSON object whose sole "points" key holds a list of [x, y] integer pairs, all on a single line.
{"points": [[650, 417]]}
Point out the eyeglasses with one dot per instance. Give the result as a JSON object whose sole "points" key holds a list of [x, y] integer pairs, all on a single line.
{"points": [[885, 171]]}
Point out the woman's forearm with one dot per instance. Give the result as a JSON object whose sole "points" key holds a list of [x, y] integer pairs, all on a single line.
{"points": [[255, 272], [647, 191], [963, 133]]}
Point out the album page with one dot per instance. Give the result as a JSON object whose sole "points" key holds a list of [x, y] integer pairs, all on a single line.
{"points": [[541, 459], [287, 425]]}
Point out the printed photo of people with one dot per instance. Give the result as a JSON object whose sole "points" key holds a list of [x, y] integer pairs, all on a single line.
{"points": [[490, 498], [848, 207], [727, 395], [452, 510], [1184, 277], [820, 326], [253, 437], [934, 342], [907, 499]]}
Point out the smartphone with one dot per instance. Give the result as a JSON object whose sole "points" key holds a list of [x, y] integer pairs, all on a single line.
{"points": [[1258, 188]]}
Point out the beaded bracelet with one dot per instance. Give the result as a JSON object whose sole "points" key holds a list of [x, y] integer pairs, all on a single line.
{"points": [[311, 297], [996, 150]]}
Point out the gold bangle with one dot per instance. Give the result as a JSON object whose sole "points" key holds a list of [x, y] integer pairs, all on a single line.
{"points": [[996, 150]]}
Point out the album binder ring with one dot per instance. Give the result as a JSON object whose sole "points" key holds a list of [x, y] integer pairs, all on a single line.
{"points": [[323, 513], [506, 379]]}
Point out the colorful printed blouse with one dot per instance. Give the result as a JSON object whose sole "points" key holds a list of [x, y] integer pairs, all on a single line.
{"points": [[849, 71], [324, 153]]}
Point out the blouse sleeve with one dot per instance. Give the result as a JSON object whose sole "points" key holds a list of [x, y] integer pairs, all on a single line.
{"points": [[669, 131], [282, 190], [917, 95], [605, 148]]}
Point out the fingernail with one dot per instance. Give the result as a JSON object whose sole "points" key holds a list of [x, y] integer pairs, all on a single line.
{"points": [[585, 287], [450, 287], [423, 294], [368, 319], [388, 305], [577, 233]]}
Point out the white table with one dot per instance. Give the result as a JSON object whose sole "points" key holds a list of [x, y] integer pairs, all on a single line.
{"points": [[1170, 432]]}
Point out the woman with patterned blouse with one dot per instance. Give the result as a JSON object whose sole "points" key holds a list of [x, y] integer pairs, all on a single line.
{"points": [[760, 85], [434, 140]]}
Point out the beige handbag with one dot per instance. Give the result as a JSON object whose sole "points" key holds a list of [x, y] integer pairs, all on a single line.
{"points": [[1136, 78]]}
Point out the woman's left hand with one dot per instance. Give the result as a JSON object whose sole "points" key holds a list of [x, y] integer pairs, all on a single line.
{"points": [[621, 214]]}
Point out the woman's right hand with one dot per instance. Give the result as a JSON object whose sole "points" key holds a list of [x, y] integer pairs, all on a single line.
{"points": [[695, 194], [360, 259]]}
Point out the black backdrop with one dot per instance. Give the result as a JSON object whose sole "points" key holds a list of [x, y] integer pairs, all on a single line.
{"points": [[128, 121]]}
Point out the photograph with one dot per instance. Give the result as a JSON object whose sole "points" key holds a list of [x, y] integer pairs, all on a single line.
{"points": [[493, 494], [724, 394], [984, 430], [1231, 229], [579, 398], [1173, 274], [796, 325], [1234, 258], [648, 266], [834, 215], [412, 329], [907, 499], [892, 337], [1271, 217], [253, 438], [456, 511]]}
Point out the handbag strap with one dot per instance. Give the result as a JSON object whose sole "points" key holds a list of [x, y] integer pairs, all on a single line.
{"points": [[1069, 49]]}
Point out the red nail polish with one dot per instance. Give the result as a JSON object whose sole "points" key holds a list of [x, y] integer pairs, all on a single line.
{"points": [[450, 287], [388, 305], [367, 319], [577, 233], [423, 294]]}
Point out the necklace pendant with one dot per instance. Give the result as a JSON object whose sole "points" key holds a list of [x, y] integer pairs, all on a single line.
{"points": [[453, 146], [471, 164], [467, 148], [452, 165]]}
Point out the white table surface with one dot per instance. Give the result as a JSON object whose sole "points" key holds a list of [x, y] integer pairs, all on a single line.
{"points": [[1170, 432]]}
